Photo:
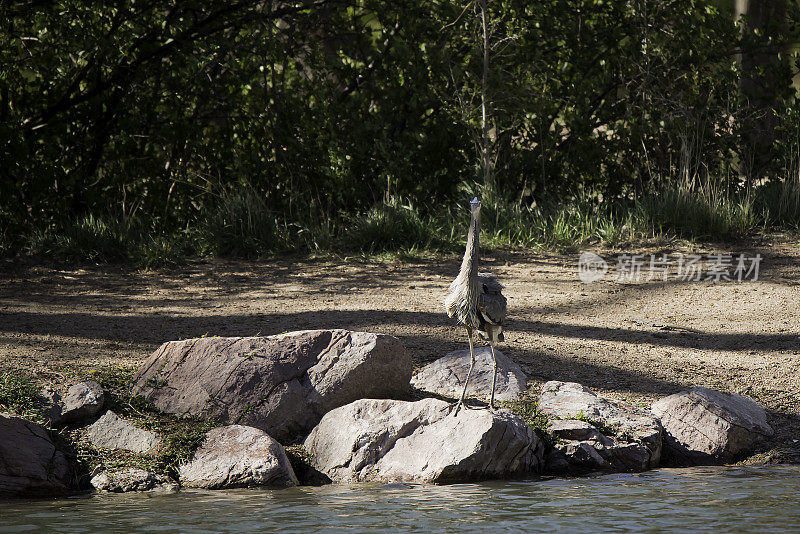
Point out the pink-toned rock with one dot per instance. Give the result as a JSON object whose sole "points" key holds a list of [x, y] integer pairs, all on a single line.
{"points": [[114, 432], [705, 426], [83, 400], [280, 384]]}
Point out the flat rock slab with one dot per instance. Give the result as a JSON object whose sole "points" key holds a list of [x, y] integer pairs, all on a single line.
{"points": [[596, 433], [446, 376], [30, 464], [238, 456], [574, 429], [704, 426], [281, 384], [113, 432], [131, 479], [423, 441]]}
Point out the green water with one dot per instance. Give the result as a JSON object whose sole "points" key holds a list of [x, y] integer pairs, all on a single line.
{"points": [[734, 499]]}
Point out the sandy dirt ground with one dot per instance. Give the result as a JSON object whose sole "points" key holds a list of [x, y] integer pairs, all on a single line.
{"points": [[626, 339]]}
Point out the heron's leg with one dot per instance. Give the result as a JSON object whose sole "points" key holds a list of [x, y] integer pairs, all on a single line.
{"points": [[471, 365], [494, 375]]}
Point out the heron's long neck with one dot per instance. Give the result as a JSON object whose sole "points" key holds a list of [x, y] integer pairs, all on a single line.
{"points": [[469, 265]]}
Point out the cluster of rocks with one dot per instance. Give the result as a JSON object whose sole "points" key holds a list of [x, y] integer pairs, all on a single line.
{"points": [[345, 396], [32, 465], [281, 384], [593, 433]]}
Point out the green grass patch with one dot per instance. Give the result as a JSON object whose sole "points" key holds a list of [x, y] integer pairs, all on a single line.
{"points": [[241, 224], [704, 212], [604, 429], [90, 238], [528, 409], [780, 203], [20, 395], [392, 227], [181, 436]]}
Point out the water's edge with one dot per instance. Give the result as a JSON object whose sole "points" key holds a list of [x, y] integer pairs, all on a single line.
{"points": [[727, 499]]}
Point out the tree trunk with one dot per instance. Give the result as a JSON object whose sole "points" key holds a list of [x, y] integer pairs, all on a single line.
{"points": [[486, 159]]}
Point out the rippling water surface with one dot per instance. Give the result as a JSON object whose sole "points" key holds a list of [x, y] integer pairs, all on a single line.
{"points": [[735, 499]]}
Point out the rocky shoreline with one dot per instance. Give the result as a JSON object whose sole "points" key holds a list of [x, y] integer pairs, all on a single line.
{"points": [[342, 404]]}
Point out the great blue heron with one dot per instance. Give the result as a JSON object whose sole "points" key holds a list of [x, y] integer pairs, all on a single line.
{"points": [[476, 300]]}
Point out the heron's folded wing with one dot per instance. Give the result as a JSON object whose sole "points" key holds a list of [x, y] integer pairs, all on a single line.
{"points": [[490, 283], [492, 307]]}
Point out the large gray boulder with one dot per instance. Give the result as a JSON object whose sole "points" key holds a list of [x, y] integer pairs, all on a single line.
{"points": [[596, 433], [281, 384], [423, 441], [446, 376], [113, 432], [30, 464], [238, 456], [704, 426]]}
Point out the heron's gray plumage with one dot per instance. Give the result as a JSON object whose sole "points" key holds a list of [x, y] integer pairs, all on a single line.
{"points": [[462, 295], [491, 307], [475, 299]]}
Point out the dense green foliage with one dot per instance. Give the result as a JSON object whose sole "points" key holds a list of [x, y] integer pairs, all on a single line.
{"points": [[148, 130]]}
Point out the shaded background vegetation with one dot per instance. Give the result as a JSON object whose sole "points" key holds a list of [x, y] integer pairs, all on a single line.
{"points": [[149, 130]]}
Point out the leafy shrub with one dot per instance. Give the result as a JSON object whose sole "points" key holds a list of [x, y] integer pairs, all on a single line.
{"points": [[390, 227], [239, 224]]}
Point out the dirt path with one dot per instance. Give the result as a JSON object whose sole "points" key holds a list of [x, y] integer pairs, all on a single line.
{"points": [[738, 337]]}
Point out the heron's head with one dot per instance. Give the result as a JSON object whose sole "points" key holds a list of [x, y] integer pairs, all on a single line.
{"points": [[475, 205]]}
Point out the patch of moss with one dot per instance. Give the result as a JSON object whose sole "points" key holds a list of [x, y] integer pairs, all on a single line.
{"points": [[528, 409], [604, 429], [182, 437], [781, 454], [298, 455]]}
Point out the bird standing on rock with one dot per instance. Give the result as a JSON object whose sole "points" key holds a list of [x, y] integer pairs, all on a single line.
{"points": [[476, 300]]}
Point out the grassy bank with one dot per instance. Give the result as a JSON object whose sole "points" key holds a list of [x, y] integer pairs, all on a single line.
{"points": [[241, 224], [21, 394]]}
